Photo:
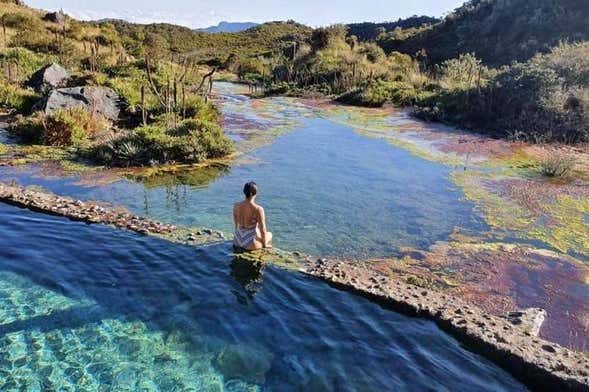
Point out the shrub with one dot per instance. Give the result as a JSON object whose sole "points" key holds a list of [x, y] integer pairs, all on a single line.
{"points": [[542, 100], [71, 127], [192, 141], [558, 165], [27, 61], [17, 98], [464, 72], [196, 107], [63, 128], [381, 92]]}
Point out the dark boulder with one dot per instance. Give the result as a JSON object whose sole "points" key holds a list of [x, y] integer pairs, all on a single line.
{"points": [[55, 17], [49, 78], [98, 100]]}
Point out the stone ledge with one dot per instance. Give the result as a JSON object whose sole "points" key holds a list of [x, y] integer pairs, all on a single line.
{"points": [[538, 363], [100, 213]]}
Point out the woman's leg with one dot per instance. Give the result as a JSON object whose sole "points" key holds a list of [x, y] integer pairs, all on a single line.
{"points": [[259, 244]]}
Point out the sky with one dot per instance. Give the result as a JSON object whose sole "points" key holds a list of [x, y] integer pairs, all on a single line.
{"points": [[200, 13]]}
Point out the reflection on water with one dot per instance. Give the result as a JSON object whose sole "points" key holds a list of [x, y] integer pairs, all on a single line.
{"points": [[133, 313], [248, 274], [174, 178]]}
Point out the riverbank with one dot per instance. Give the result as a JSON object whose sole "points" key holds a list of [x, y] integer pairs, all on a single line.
{"points": [[510, 342]]}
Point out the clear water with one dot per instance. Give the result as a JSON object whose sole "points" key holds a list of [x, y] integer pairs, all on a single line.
{"points": [[327, 189], [90, 308]]}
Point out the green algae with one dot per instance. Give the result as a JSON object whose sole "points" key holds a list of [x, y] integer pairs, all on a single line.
{"points": [[277, 257]]}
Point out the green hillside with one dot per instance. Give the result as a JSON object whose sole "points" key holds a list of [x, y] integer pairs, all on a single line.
{"points": [[500, 31]]}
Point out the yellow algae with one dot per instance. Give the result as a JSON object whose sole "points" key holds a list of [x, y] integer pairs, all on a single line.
{"points": [[560, 222], [569, 228], [498, 212], [519, 161]]}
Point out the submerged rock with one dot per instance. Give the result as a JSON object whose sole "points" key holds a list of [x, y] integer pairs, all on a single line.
{"points": [[49, 77], [98, 100], [244, 363]]}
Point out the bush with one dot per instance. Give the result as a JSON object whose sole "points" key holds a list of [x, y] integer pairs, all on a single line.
{"points": [[64, 128], [71, 127], [28, 129], [556, 166], [190, 142], [381, 92], [28, 62], [196, 107], [17, 98]]}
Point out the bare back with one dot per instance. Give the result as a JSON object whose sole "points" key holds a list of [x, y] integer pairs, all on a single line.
{"points": [[246, 214]]}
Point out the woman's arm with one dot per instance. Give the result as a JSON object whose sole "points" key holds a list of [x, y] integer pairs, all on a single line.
{"points": [[235, 216], [262, 221]]}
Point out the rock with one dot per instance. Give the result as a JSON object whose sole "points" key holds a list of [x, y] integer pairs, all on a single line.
{"points": [[48, 78], [208, 231], [99, 100], [244, 362], [528, 320], [55, 17]]}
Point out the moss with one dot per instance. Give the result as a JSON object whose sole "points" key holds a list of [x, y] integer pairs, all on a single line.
{"points": [[417, 281], [274, 256]]}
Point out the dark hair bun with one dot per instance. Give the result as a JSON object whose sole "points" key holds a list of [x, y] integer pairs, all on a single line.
{"points": [[250, 189]]}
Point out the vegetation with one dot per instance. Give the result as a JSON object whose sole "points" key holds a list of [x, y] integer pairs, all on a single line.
{"points": [[542, 100], [66, 127], [190, 141], [557, 165], [499, 31], [167, 114], [513, 68], [368, 31]]}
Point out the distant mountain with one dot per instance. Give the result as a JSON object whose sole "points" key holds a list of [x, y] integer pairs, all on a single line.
{"points": [[229, 27]]}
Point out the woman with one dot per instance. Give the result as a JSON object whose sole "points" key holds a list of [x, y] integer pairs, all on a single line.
{"points": [[250, 222]]}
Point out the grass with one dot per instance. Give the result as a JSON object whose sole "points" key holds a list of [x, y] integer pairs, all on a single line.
{"points": [[557, 166]]}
